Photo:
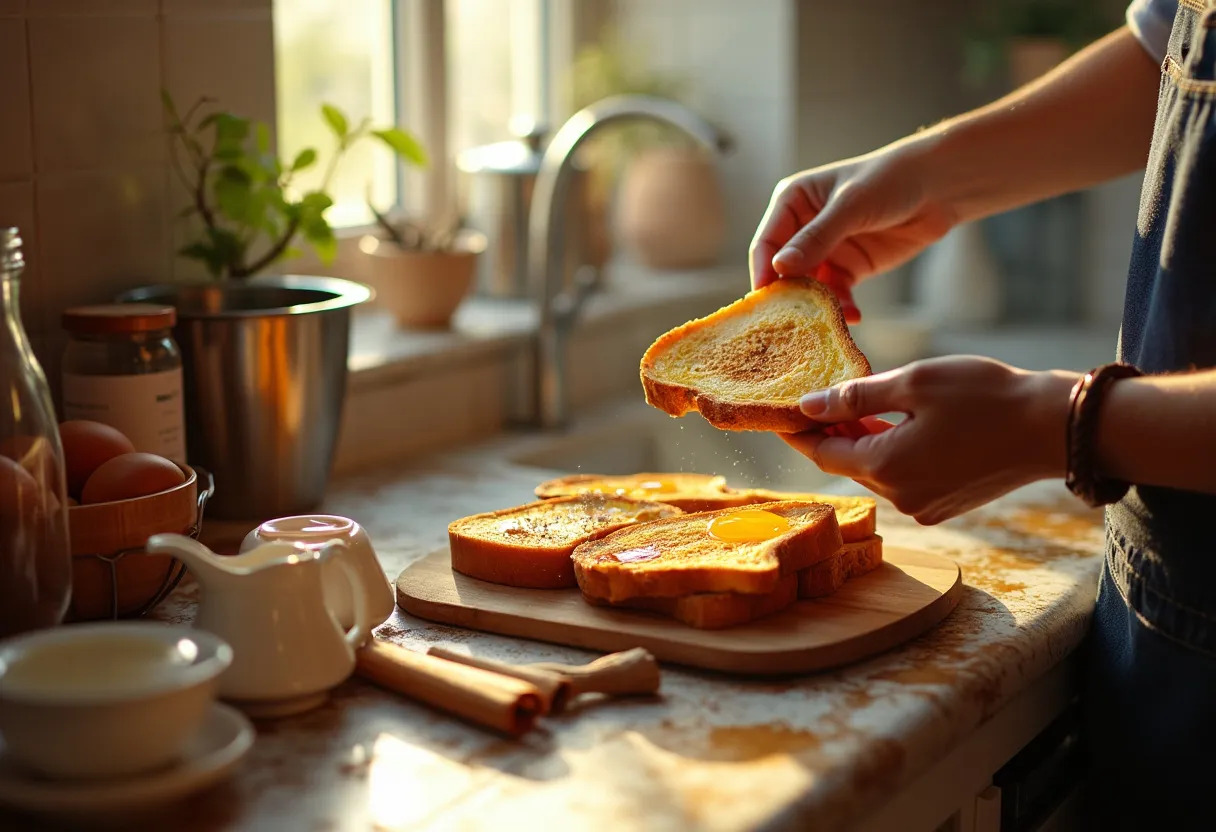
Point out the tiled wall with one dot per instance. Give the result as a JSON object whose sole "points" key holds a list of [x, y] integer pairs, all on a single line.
{"points": [[83, 162], [737, 63]]}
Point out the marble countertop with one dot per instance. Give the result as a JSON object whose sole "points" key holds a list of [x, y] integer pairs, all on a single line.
{"points": [[710, 752]]}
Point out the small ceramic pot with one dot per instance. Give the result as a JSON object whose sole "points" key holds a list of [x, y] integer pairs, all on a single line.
{"points": [[670, 211], [422, 288]]}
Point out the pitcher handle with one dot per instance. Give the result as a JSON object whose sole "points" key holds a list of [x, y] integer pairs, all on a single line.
{"points": [[361, 629]]}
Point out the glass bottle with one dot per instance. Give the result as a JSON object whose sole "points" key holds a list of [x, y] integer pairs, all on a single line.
{"points": [[35, 561]]}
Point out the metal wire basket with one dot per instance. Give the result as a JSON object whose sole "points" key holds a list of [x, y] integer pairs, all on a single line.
{"points": [[173, 575]]}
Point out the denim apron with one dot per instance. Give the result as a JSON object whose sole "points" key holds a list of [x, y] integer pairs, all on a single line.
{"points": [[1150, 697]]}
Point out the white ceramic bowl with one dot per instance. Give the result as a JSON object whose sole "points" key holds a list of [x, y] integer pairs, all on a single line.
{"points": [[106, 700], [316, 529]]}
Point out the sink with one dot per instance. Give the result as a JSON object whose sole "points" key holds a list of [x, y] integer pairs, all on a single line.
{"points": [[633, 438]]}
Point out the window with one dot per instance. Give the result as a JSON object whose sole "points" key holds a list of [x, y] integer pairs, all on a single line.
{"points": [[373, 58], [337, 52], [496, 55]]}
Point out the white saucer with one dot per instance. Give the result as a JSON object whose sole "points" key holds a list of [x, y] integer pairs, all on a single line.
{"points": [[225, 737]]}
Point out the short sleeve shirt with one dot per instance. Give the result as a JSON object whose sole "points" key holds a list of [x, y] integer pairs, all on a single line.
{"points": [[1151, 21]]}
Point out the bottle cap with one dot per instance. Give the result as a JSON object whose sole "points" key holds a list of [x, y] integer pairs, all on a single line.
{"points": [[118, 318]]}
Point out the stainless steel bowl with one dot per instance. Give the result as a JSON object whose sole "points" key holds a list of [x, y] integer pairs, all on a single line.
{"points": [[264, 366]]}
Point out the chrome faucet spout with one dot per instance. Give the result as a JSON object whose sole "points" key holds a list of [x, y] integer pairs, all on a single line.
{"points": [[559, 307]]}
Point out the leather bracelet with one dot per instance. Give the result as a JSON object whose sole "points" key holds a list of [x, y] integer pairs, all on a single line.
{"points": [[1081, 438]]}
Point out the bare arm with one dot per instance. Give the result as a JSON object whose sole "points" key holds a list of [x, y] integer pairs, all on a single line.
{"points": [[1161, 430], [980, 428], [1089, 120]]}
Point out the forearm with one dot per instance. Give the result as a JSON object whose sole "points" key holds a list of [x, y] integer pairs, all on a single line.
{"points": [[1161, 430], [1089, 120]]}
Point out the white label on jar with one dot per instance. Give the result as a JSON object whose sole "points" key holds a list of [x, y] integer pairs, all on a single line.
{"points": [[147, 408]]}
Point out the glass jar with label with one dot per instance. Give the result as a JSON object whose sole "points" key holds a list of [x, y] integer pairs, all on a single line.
{"points": [[123, 368]]}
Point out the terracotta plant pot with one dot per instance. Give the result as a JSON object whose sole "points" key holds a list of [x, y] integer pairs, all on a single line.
{"points": [[422, 288], [671, 212]]}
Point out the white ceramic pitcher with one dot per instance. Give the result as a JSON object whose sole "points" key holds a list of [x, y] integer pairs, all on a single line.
{"points": [[269, 605]]}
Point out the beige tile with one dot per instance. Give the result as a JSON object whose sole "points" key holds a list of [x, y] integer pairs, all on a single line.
{"points": [[230, 59], [16, 153], [55, 8], [17, 209], [101, 233], [96, 85]]}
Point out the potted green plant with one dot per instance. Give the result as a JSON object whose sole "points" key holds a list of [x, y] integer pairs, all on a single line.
{"points": [[264, 355], [420, 273], [670, 211]]}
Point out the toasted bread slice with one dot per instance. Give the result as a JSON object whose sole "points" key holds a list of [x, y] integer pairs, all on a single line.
{"points": [[678, 556], [530, 545], [746, 366], [716, 610], [856, 516], [690, 492], [830, 574]]}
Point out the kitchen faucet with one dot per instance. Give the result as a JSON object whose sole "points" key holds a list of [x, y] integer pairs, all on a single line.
{"points": [[559, 307]]}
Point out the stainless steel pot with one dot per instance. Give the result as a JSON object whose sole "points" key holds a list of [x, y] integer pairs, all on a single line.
{"points": [[265, 377]]}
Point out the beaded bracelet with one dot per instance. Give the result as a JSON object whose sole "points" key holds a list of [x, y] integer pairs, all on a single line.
{"points": [[1081, 436]]}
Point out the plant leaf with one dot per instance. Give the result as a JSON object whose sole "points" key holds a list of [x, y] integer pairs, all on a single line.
{"points": [[232, 191], [336, 120], [261, 134], [314, 203], [404, 144], [304, 159], [324, 243]]}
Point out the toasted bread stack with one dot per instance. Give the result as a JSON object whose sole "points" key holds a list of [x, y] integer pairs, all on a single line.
{"points": [[670, 586]]}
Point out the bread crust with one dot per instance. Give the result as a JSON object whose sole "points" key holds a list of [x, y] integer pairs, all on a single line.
{"points": [[614, 582], [850, 561], [771, 416], [715, 610], [529, 565]]}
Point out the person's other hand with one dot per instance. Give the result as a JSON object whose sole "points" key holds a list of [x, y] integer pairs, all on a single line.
{"points": [[975, 429], [847, 221]]}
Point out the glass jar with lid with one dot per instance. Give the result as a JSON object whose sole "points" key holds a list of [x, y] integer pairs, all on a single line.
{"points": [[123, 368], [35, 561]]}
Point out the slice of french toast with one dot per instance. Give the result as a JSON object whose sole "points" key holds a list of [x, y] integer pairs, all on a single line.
{"points": [[746, 366], [716, 610], [690, 492], [744, 550], [856, 516], [850, 561], [530, 545]]}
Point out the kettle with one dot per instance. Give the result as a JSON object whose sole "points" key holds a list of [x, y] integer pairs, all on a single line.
{"points": [[496, 198]]}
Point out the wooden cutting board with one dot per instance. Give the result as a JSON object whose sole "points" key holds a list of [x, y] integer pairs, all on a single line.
{"points": [[910, 593]]}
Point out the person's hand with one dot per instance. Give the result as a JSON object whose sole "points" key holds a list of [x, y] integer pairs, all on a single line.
{"points": [[845, 222], [975, 429]]}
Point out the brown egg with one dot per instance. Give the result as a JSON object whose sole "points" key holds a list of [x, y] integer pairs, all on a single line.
{"points": [[86, 446], [19, 495], [131, 475], [34, 454]]}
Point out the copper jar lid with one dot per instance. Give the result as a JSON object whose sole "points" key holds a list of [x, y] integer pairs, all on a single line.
{"points": [[119, 318]]}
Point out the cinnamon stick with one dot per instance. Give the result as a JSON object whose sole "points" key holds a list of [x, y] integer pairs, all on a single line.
{"points": [[631, 672], [554, 688], [504, 703]]}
